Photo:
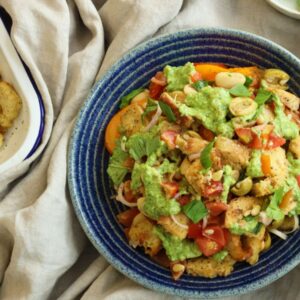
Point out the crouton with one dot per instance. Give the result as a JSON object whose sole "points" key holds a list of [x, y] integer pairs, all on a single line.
{"points": [[240, 207], [141, 234], [190, 143], [171, 227], [191, 171], [131, 121], [232, 153], [210, 268], [256, 245]]}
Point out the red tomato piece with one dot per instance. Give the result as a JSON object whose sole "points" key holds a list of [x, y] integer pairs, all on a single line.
{"points": [[196, 76], [214, 188], [126, 217], [195, 230], [184, 199], [298, 179], [215, 220], [215, 233], [170, 188], [256, 142], [216, 208], [207, 246], [155, 90], [169, 137], [206, 133], [275, 141], [245, 135]]}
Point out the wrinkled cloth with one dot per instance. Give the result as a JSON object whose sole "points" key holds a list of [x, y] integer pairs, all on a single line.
{"points": [[67, 45]]}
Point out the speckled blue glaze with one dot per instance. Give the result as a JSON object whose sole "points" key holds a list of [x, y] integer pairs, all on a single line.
{"points": [[89, 184]]}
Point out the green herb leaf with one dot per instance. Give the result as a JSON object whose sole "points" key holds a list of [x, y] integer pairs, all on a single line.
{"points": [[116, 169], [143, 144], [248, 82], [151, 106], [195, 210], [205, 155], [220, 256], [198, 85], [166, 109], [125, 100], [273, 211], [239, 90], [262, 96]]}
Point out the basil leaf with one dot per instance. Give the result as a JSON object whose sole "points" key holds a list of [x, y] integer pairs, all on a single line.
{"points": [[125, 100], [273, 211], [166, 109], [151, 106], [195, 210], [198, 85], [262, 96], [205, 155], [142, 144], [239, 90], [248, 82]]}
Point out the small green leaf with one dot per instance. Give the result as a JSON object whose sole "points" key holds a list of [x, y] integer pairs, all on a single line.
{"points": [[220, 256], [248, 82], [151, 106], [273, 211], [198, 85], [239, 90], [205, 155], [262, 96], [166, 109], [195, 210], [125, 100]]}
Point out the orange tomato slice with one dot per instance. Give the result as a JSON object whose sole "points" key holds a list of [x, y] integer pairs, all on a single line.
{"points": [[209, 71]]}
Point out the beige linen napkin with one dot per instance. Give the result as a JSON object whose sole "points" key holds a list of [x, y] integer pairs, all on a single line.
{"points": [[67, 45]]}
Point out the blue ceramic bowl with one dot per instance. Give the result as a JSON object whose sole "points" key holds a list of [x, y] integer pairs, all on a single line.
{"points": [[89, 184]]}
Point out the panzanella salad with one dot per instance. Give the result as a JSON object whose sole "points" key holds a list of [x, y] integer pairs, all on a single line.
{"points": [[207, 160]]}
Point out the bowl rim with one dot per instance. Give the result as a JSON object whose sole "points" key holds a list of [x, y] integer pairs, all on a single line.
{"points": [[75, 199]]}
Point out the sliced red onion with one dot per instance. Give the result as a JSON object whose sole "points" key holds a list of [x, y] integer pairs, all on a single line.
{"points": [[121, 198], [194, 156], [264, 218], [204, 222], [279, 233], [154, 119], [176, 196], [296, 225], [178, 223]]}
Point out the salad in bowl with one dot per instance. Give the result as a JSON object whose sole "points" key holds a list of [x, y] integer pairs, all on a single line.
{"points": [[207, 160]]}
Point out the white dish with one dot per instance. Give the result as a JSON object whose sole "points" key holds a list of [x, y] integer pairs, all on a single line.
{"points": [[21, 139], [287, 7]]}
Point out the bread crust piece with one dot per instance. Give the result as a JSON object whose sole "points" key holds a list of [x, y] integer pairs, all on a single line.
{"points": [[238, 208], [171, 227], [210, 268], [141, 234], [131, 121], [232, 153]]}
